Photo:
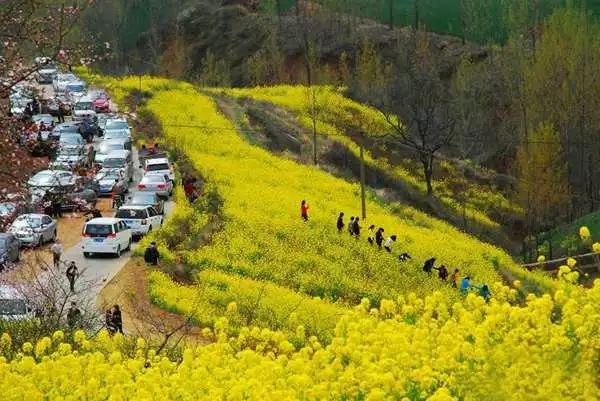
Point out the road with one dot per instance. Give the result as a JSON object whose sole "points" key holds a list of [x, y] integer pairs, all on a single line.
{"points": [[99, 269]]}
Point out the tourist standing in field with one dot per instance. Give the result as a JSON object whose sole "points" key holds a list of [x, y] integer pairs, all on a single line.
{"points": [[442, 273], [454, 278], [379, 237], [351, 226], [484, 292], [388, 243], [428, 266], [151, 255], [108, 316], [356, 228], [340, 222], [117, 319], [465, 284], [304, 210], [371, 237]]}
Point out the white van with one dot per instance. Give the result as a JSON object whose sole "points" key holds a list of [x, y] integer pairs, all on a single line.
{"points": [[13, 305], [160, 166], [141, 219], [105, 235], [119, 160]]}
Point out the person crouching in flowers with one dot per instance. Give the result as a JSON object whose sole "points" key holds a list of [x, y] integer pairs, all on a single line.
{"points": [[371, 237], [379, 237], [454, 278], [304, 210], [388, 243], [465, 284]]}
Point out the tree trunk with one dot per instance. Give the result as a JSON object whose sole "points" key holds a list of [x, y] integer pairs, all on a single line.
{"points": [[417, 16], [314, 121], [391, 9], [427, 162]]}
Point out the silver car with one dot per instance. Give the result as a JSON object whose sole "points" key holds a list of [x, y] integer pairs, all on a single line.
{"points": [[9, 250], [52, 179], [161, 184], [34, 229]]}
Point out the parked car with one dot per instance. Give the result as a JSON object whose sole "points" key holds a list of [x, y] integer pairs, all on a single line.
{"points": [[122, 135], [109, 179], [46, 73], [161, 184], [83, 108], [72, 157], [34, 229], [159, 166], [102, 119], [75, 90], [14, 306], [45, 123], [106, 147], [52, 179], [100, 101], [9, 250], [79, 198], [121, 160], [8, 213], [105, 235], [70, 127], [118, 124], [18, 103], [147, 199], [141, 219], [60, 81]]}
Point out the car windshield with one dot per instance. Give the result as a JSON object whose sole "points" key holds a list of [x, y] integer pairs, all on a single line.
{"points": [[114, 162], [71, 139], [154, 178], [107, 147], [67, 77], [116, 125], [141, 198], [83, 106], [44, 178], [11, 307], [110, 175], [157, 167], [46, 119], [7, 208], [28, 221], [2, 243], [97, 95], [116, 135], [131, 214], [69, 152], [98, 229]]}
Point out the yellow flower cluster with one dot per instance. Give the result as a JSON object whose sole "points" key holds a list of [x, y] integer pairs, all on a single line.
{"points": [[245, 302], [408, 349]]}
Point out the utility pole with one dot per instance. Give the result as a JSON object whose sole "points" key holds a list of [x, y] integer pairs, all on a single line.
{"points": [[362, 182]]}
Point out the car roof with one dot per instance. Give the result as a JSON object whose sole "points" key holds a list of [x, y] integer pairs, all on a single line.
{"points": [[117, 153], [9, 292], [103, 220], [144, 193], [6, 235], [41, 116], [135, 207], [159, 160], [147, 176], [111, 141], [36, 215], [85, 98]]}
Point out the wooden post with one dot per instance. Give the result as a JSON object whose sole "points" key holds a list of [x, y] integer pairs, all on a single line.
{"points": [[362, 182]]}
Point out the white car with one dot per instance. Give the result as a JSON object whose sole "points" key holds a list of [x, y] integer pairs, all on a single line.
{"points": [[117, 124], [83, 108], [119, 160], [159, 166], [141, 219], [161, 184], [13, 305], [52, 179], [34, 229], [106, 146], [105, 235], [60, 81]]}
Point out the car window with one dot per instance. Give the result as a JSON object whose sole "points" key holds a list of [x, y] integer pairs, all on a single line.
{"points": [[117, 125], [46, 220], [157, 167], [152, 212], [123, 226], [131, 214], [114, 162], [10, 307], [98, 229]]}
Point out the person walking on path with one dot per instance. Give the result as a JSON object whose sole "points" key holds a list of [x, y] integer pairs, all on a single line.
{"points": [[379, 237], [73, 315], [371, 237], [454, 278], [428, 266], [388, 243], [57, 250], [304, 210], [72, 273], [340, 222], [356, 228], [117, 320], [351, 226], [108, 316], [151, 255]]}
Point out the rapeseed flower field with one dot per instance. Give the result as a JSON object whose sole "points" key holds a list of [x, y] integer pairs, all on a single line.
{"points": [[410, 349]]}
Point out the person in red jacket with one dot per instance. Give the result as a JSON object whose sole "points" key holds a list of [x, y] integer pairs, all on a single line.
{"points": [[304, 210]]}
